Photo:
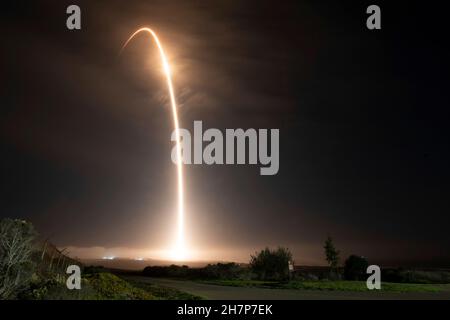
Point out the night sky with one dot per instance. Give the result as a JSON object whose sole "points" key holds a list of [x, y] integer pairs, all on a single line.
{"points": [[363, 118]]}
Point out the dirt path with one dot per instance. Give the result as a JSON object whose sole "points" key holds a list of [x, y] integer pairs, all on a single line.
{"points": [[215, 292]]}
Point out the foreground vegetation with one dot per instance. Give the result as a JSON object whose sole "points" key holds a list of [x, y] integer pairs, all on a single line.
{"points": [[101, 286], [33, 270]]}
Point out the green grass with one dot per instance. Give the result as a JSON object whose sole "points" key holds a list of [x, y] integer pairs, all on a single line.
{"points": [[358, 286], [55, 289], [101, 286], [243, 283], [164, 293], [110, 287], [328, 285]]}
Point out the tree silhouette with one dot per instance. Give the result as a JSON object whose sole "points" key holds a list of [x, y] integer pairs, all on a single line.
{"points": [[331, 254]]}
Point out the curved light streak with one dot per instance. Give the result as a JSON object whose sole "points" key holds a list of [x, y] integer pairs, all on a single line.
{"points": [[179, 250]]}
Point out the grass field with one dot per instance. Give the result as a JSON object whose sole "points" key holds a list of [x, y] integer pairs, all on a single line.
{"points": [[103, 286], [163, 293], [328, 285]]}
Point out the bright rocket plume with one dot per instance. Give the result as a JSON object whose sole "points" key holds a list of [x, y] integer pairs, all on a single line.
{"points": [[179, 249]]}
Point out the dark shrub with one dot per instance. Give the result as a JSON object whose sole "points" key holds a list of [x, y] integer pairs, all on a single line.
{"points": [[271, 264], [355, 268], [94, 269], [211, 271], [172, 271], [222, 271], [391, 275]]}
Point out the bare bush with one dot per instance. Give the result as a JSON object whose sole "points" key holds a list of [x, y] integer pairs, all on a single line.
{"points": [[16, 245]]}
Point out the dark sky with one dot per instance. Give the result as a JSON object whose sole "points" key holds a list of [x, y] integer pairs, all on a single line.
{"points": [[363, 118]]}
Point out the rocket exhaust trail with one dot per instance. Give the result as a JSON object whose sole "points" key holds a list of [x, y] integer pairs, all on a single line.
{"points": [[179, 246]]}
